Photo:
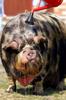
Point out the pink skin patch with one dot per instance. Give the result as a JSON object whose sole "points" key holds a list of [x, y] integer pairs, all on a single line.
{"points": [[25, 80]]}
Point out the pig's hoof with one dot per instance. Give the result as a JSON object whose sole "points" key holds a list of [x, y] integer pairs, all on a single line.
{"points": [[11, 89], [60, 86]]}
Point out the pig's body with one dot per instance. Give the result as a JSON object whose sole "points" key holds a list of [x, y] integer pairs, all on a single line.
{"points": [[34, 54]]}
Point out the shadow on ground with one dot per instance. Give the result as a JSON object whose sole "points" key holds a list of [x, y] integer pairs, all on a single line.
{"points": [[48, 91]]}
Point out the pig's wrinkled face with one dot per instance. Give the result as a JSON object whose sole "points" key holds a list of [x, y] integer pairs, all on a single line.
{"points": [[30, 60], [30, 48]]}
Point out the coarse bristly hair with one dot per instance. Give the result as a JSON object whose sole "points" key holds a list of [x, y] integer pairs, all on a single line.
{"points": [[45, 35]]}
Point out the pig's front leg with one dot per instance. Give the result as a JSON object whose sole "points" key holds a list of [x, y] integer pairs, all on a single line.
{"points": [[12, 85]]}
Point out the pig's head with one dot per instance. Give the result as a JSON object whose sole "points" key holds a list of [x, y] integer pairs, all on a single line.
{"points": [[29, 60], [29, 54], [29, 48]]}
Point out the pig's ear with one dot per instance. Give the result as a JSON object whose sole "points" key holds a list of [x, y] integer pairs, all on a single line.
{"points": [[13, 45]]}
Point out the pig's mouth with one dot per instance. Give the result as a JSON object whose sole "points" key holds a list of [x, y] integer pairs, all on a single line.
{"points": [[25, 80], [29, 69], [29, 72]]}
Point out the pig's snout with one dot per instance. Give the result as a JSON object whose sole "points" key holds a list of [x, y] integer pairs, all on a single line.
{"points": [[29, 54]]}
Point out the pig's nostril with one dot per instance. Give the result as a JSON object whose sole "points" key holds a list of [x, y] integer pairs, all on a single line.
{"points": [[31, 56]]}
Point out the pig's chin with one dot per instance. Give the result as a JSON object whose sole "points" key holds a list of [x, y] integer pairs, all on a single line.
{"points": [[29, 68]]}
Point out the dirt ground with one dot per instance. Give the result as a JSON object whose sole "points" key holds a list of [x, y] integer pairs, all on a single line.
{"points": [[25, 95]]}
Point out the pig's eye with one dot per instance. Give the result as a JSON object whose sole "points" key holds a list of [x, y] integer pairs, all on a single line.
{"points": [[30, 41], [24, 51], [41, 43], [31, 48], [41, 46]]}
